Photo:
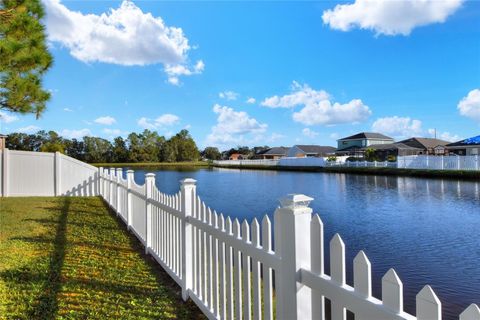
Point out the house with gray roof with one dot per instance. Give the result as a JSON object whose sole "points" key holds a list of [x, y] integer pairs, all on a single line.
{"points": [[428, 145], [302, 151], [354, 145], [273, 153]]}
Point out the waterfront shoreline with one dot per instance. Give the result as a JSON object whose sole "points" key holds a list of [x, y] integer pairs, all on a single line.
{"points": [[421, 173], [153, 164]]}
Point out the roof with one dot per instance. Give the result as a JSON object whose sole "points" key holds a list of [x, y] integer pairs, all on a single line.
{"points": [[367, 135], [424, 143], [275, 151], [392, 146], [313, 149], [473, 141]]}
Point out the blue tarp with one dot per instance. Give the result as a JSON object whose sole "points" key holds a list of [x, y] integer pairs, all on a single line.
{"points": [[473, 140]]}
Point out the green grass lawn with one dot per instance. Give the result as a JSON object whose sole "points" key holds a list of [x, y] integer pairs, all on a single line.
{"points": [[71, 258]]}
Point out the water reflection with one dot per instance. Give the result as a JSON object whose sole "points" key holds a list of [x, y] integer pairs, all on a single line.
{"points": [[427, 229]]}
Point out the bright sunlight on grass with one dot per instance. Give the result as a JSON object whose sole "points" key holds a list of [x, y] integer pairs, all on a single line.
{"points": [[71, 258]]}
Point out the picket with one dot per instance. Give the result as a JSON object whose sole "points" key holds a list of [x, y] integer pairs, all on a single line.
{"points": [[227, 268], [453, 162]]}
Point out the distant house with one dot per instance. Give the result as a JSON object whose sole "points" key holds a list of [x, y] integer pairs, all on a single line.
{"points": [[272, 153], [468, 147], [385, 151], [237, 156], [301, 151], [353, 145], [428, 145], [440, 150]]}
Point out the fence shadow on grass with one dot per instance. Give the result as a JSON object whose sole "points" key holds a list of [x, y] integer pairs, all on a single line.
{"points": [[47, 303], [161, 276], [45, 306]]}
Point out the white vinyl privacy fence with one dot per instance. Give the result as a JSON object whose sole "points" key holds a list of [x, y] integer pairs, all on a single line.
{"points": [[26, 173], [231, 270]]}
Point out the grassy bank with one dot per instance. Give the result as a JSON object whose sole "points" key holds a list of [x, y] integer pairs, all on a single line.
{"points": [[70, 258], [444, 174], [154, 164]]}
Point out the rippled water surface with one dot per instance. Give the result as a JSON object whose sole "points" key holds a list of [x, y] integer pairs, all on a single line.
{"points": [[427, 230]]}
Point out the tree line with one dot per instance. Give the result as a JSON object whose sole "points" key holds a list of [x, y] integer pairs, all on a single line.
{"points": [[147, 146]]}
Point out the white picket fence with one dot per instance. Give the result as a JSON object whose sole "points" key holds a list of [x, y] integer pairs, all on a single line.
{"points": [[440, 162], [418, 162], [230, 270], [404, 162]]}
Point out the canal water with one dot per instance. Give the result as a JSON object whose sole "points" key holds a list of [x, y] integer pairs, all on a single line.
{"points": [[428, 230]]}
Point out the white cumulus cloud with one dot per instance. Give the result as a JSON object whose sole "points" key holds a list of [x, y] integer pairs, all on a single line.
{"points": [[233, 127], [28, 129], [251, 100], [324, 112], [124, 36], [175, 71], [229, 95], [447, 136], [7, 117], [75, 134], [107, 120], [301, 95], [398, 127], [389, 17], [165, 120], [307, 132], [318, 107], [469, 106]]}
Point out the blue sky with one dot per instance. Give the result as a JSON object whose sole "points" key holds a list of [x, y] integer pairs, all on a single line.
{"points": [[262, 73]]}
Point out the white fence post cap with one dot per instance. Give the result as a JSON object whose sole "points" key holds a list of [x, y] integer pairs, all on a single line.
{"points": [[188, 181], [295, 201], [130, 171], [150, 175]]}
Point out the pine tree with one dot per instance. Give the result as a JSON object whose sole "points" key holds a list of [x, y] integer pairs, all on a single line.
{"points": [[24, 57]]}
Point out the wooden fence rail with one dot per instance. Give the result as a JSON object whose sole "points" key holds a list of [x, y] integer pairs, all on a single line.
{"points": [[229, 268]]}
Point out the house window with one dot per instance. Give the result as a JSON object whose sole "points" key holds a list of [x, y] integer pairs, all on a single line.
{"points": [[344, 142]]}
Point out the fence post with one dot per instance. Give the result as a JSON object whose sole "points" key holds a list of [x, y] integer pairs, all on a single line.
{"points": [[458, 162], [188, 196], [119, 202], [100, 181], [110, 186], [443, 162], [58, 175], [292, 244], [129, 198], [477, 166], [149, 183], [5, 172]]}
